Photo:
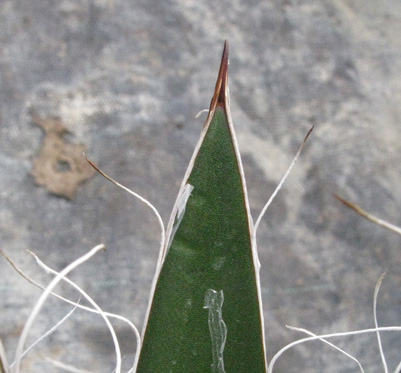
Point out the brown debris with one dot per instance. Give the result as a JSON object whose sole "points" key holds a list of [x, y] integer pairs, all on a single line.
{"points": [[59, 166]]}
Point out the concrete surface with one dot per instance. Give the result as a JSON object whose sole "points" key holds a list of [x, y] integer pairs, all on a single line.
{"points": [[125, 79]]}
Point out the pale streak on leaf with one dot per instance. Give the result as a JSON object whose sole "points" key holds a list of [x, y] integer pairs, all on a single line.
{"points": [[217, 327]]}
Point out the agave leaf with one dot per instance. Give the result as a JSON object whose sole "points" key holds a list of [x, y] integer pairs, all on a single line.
{"points": [[205, 314]]}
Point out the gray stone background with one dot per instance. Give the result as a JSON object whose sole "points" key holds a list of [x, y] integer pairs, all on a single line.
{"points": [[126, 79]]}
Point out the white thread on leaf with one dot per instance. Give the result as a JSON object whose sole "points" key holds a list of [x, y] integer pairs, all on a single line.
{"points": [[181, 205], [217, 327]]}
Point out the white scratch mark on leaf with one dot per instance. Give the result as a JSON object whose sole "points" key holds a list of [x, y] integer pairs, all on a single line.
{"points": [[217, 327]]}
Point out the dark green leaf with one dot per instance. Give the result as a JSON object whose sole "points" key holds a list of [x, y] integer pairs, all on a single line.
{"points": [[205, 315]]}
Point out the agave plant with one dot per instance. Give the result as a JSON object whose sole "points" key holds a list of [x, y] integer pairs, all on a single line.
{"points": [[205, 312]]}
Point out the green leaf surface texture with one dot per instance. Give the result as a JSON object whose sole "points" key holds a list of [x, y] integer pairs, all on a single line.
{"points": [[205, 315]]}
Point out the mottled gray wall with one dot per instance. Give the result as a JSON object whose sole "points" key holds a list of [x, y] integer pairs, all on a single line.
{"points": [[126, 79]]}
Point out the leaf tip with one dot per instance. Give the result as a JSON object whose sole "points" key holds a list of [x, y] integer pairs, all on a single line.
{"points": [[221, 90]]}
